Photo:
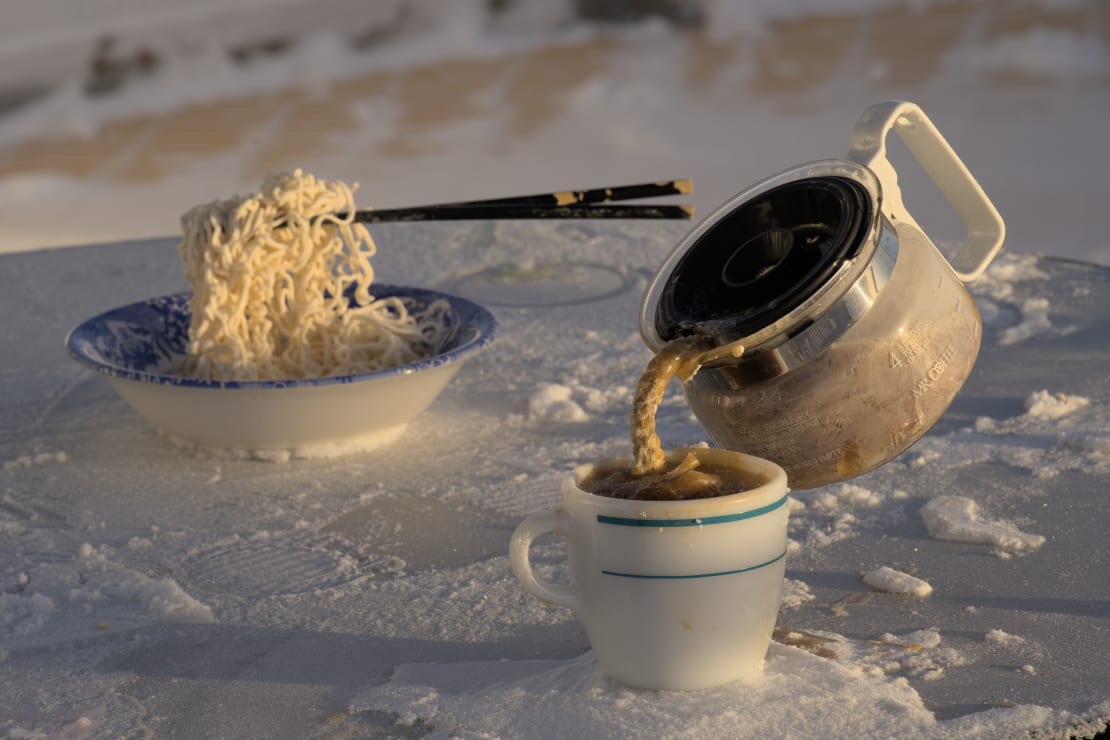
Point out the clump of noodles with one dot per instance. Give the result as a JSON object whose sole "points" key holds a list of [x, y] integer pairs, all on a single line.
{"points": [[281, 288]]}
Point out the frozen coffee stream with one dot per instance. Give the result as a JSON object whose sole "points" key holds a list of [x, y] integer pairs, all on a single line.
{"points": [[648, 477]]}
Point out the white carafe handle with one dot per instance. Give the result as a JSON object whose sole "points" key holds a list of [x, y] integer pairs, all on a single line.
{"points": [[985, 230]]}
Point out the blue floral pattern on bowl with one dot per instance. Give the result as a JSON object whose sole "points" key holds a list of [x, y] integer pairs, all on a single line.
{"points": [[146, 341]]}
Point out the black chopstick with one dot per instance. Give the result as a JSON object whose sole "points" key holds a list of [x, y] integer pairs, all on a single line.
{"points": [[524, 211], [594, 195], [563, 204]]}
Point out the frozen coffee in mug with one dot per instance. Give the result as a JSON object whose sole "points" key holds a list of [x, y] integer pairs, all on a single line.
{"points": [[677, 558]]}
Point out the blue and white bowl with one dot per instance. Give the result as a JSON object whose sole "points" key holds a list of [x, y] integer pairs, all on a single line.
{"points": [[138, 346]]}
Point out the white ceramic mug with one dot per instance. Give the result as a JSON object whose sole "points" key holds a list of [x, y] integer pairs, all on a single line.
{"points": [[675, 595]]}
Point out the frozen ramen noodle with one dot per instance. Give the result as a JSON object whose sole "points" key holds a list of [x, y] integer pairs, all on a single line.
{"points": [[282, 288], [649, 477]]}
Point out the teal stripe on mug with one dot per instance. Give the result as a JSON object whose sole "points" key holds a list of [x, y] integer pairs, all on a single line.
{"points": [[628, 522], [697, 575]]}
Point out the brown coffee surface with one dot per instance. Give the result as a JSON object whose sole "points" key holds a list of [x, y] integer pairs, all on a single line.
{"points": [[690, 479]]}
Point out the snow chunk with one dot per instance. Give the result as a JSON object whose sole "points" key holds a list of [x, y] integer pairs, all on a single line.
{"points": [[795, 593], [956, 518], [1034, 321], [998, 637], [921, 458], [166, 601], [554, 402], [896, 582], [1014, 267], [139, 543], [985, 424], [822, 517], [924, 638], [23, 615], [41, 458], [1045, 405], [846, 495], [1093, 441], [920, 654]]}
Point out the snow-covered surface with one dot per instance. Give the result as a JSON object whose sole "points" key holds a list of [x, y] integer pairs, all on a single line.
{"points": [[147, 588]]}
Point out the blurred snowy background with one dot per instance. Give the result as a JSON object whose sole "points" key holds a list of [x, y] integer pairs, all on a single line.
{"points": [[117, 115]]}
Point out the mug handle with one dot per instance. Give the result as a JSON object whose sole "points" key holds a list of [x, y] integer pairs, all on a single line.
{"points": [[519, 547], [985, 230]]}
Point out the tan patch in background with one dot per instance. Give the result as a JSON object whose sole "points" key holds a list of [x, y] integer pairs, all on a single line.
{"points": [[706, 59], [73, 155], [800, 54], [914, 57], [436, 95], [543, 77]]}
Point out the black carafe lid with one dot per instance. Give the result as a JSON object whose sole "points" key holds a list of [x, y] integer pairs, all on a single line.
{"points": [[762, 258]]}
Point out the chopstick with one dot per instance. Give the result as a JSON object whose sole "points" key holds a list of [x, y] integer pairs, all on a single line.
{"points": [[595, 195], [490, 212], [564, 204]]}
